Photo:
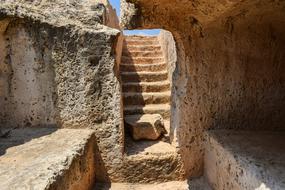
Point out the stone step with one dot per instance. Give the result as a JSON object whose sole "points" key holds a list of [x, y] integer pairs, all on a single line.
{"points": [[142, 53], [162, 109], [146, 98], [141, 60], [131, 48], [151, 161], [144, 67], [245, 159], [144, 76], [141, 42], [128, 38], [160, 86]]}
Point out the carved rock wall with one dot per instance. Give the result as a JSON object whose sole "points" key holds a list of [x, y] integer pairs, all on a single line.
{"points": [[168, 46], [230, 65], [58, 68]]}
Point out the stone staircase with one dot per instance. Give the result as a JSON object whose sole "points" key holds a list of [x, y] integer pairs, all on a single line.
{"points": [[146, 87], [146, 90]]}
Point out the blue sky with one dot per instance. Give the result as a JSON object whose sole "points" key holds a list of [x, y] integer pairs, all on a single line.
{"points": [[116, 5]]}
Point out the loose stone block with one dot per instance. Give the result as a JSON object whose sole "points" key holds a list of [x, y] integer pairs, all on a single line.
{"points": [[148, 126]]}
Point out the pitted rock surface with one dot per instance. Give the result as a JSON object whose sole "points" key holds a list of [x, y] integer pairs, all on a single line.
{"points": [[58, 68], [147, 126], [47, 158], [229, 69]]}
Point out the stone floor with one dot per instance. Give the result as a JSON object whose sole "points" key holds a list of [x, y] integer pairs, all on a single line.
{"points": [[195, 184], [145, 147], [50, 158], [47, 158], [245, 160]]}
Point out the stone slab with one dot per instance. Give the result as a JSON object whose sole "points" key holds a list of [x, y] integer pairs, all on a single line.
{"points": [[239, 160], [47, 158]]}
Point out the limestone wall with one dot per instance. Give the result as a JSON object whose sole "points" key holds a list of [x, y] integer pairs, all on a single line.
{"points": [[168, 46], [59, 68], [230, 69], [51, 78], [167, 43], [27, 77]]}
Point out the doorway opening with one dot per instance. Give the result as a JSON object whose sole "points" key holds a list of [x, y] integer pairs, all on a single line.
{"points": [[148, 61]]}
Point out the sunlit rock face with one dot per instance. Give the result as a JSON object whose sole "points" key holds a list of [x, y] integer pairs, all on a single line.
{"points": [[230, 68], [58, 68], [52, 53]]}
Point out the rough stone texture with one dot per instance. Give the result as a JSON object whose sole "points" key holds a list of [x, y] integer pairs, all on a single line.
{"points": [[151, 162], [47, 158], [194, 184], [241, 160], [59, 67], [146, 126], [230, 67], [27, 78], [174, 185], [168, 47], [61, 59], [145, 77], [146, 90], [199, 184]]}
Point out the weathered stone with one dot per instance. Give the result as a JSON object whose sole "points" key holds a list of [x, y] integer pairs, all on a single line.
{"points": [[59, 68], [150, 161], [147, 126], [59, 65], [194, 184], [47, 158], [174, 185], [245, 159], [230, 66], [168, 47]]}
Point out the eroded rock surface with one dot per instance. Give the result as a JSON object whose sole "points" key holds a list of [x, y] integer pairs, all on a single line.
{"points": [[175, 185], [230, 66], [245, 159], [58, 68], [146, 93], [146, 126], [47, 158]]}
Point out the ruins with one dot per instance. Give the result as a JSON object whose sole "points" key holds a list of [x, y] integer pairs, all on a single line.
{"points": [[200, 106]]}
